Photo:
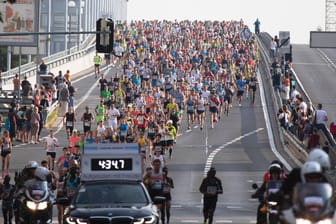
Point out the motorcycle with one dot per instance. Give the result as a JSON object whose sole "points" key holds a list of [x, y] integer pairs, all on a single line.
{"points": [[312, 203], [268, 207], [272, 201], [34, 202]]}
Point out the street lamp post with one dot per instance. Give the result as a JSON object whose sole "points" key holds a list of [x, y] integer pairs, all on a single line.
{"points": [[71, 5]]}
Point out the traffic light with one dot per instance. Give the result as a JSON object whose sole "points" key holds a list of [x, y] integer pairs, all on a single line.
{"points": [[104, 35]]}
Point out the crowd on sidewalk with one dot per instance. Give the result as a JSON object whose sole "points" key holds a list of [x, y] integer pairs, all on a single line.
{"points": [[296, 115]]}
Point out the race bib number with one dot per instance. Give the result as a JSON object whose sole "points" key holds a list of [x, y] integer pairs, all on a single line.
{"points": [[71, 192], [157, 184], [87, 123], [166, 188], [140, 120], [123, 133], [69, 123], [212, 190]]}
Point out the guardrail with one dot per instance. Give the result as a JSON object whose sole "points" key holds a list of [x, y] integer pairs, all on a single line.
{"points": [[287, 137], [60, 58]]}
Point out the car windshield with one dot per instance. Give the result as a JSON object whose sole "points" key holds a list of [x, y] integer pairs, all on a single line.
{"points": [[111, 193]]}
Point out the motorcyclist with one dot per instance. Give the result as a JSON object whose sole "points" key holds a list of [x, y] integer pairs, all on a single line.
{"points": [[310, 172], [30, 175], [274, 174], [266, 177], [294, 177], [26, 174]]}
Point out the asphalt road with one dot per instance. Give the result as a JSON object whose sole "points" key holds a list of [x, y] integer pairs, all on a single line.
{"points": [[317, 71], [238, 147]]}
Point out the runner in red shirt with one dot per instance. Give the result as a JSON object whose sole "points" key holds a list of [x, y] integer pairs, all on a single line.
{"points": [[142, 119]]}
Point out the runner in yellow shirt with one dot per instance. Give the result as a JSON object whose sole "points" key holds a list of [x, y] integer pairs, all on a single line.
{"points": [[97, 60]]}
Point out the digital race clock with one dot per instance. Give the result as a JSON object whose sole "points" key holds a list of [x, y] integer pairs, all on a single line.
{"points": [[100, 164]]}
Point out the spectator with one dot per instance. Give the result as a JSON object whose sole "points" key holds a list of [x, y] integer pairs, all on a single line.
{"points": [[326, 147], [314, 140], [285, 89], [26, 87], [64, 100], [37, 97], [0, 81], [12, 123], [16, 84], [283, 116], [332, 128], [257, 26], [43, 67], [320, 118], [276, 80], [67, 76], [59, 82], [272, 47], [35, 124]]}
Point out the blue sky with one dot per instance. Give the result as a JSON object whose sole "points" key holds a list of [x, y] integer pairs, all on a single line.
{"points": [[299, 17]]}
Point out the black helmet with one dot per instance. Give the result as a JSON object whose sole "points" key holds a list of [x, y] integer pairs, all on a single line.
{"points": [[274, 168]]}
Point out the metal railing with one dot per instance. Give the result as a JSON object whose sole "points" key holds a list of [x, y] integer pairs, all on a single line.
{"points": [[278, 103], [52, 61]]}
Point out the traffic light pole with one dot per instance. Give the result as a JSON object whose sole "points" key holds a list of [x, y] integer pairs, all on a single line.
{"points": [[53, 33]]}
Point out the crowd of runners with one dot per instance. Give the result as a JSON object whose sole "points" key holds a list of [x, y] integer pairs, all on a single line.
{"points": [[167, 70]]}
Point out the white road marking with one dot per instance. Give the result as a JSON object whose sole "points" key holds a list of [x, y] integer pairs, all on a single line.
{"points": [[234, 207], [214, 152], [190, 221]]}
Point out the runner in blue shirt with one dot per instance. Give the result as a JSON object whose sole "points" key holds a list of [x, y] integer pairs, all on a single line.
{"points": [[241, 87]]}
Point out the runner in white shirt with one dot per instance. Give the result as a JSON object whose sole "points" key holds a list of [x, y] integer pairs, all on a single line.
{"points": [[200, 109], [51, 143], [113, 115]]}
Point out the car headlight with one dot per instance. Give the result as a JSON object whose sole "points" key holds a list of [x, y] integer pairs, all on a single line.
{"points": [[37, 206], [145, 220], [74, 220], [305, 221]]}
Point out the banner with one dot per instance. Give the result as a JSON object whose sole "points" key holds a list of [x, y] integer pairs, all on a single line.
{"points": [[20, 17]]}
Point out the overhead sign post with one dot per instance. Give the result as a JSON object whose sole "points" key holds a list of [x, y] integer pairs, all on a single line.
{"points": [[320, 39], [284, 41], [285, 46]]}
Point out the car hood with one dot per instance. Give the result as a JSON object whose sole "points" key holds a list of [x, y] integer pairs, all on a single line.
{"points": [[112, 210]]}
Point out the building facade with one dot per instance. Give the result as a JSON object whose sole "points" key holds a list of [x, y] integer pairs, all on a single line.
{"points": [[74, 16]]}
